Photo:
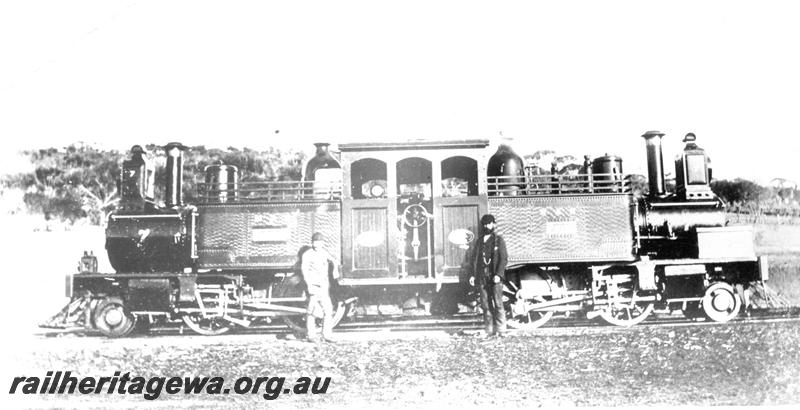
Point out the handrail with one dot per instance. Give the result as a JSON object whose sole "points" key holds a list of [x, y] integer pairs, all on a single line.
{"points": [[315, 191], [269, 191], [558, 184]]}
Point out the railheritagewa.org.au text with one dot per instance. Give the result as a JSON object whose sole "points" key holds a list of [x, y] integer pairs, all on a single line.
{"points": [[151, 388]]}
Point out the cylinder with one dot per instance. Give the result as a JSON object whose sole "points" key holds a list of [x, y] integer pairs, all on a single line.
{"points": [[506, 172], [322, 159], [222, 182], [174, 186], [655, 163]]}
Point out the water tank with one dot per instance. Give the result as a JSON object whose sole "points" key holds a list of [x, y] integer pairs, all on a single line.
{"points": [[322, 160], [221, 183], [506, 172], [610, 169]]}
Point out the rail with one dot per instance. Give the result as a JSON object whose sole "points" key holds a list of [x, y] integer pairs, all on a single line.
{"points": [[271, 191], [558, 184]]}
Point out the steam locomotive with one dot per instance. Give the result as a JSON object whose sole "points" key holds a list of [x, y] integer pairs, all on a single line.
{"points": [[399, 219]]}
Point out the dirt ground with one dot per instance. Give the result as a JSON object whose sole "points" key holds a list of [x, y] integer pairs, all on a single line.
{"points": [[706, 364]]}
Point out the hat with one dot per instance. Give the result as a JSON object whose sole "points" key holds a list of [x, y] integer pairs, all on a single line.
{"points": [[487, 219], [316, 237]]}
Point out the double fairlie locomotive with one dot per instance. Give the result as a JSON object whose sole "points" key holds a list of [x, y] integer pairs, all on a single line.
{"points": [[399, 219]]}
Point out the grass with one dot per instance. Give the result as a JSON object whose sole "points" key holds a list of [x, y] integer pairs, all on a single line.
{"points": [[784, 270], [781, 244]]}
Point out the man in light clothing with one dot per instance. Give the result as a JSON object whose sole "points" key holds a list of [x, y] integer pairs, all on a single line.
{"points": [[315, 263]]}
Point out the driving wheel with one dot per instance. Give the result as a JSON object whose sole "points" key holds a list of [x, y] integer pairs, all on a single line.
{"points": [[206, 326], [518, 315]]}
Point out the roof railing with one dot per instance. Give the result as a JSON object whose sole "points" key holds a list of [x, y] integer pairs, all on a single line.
{"points": [[271, 191], [311, 191], [558, 184]]}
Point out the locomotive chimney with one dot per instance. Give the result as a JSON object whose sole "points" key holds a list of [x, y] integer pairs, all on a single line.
{"points": [[655, 163], [174, 192]]}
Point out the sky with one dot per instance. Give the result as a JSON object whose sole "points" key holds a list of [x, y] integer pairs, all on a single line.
{"points": [[578, 77]]}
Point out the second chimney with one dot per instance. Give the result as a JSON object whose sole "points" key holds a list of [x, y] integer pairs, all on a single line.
{"points": [[655, 163]]}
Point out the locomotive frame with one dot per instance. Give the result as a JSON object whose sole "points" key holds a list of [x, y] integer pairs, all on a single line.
{"points": [[400, 218]]}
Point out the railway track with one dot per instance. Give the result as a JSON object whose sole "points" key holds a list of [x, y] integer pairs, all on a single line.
{"points": [[462, 324]]}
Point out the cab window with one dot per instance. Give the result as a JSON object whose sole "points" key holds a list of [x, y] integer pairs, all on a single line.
{"points": [[368, 179], [414, 177], [459, 177]]}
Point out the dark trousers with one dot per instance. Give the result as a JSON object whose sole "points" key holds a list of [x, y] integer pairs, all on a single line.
{"points": [[494, 315]]}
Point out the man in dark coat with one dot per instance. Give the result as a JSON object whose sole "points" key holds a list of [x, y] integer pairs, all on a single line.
{"points": [[488, 262]]}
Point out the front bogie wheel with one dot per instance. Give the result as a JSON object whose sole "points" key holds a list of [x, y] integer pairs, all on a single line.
{"points": [[112, 319]]}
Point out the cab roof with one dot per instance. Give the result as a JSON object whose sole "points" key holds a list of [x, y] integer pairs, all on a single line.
{"points": [[413, 145]]}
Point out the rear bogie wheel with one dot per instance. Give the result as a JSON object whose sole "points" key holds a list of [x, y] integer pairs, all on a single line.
{"points": [[721, 303], [112, 319]]}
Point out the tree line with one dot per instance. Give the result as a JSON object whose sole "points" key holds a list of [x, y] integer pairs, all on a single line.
{"points": [[81, 181]]}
